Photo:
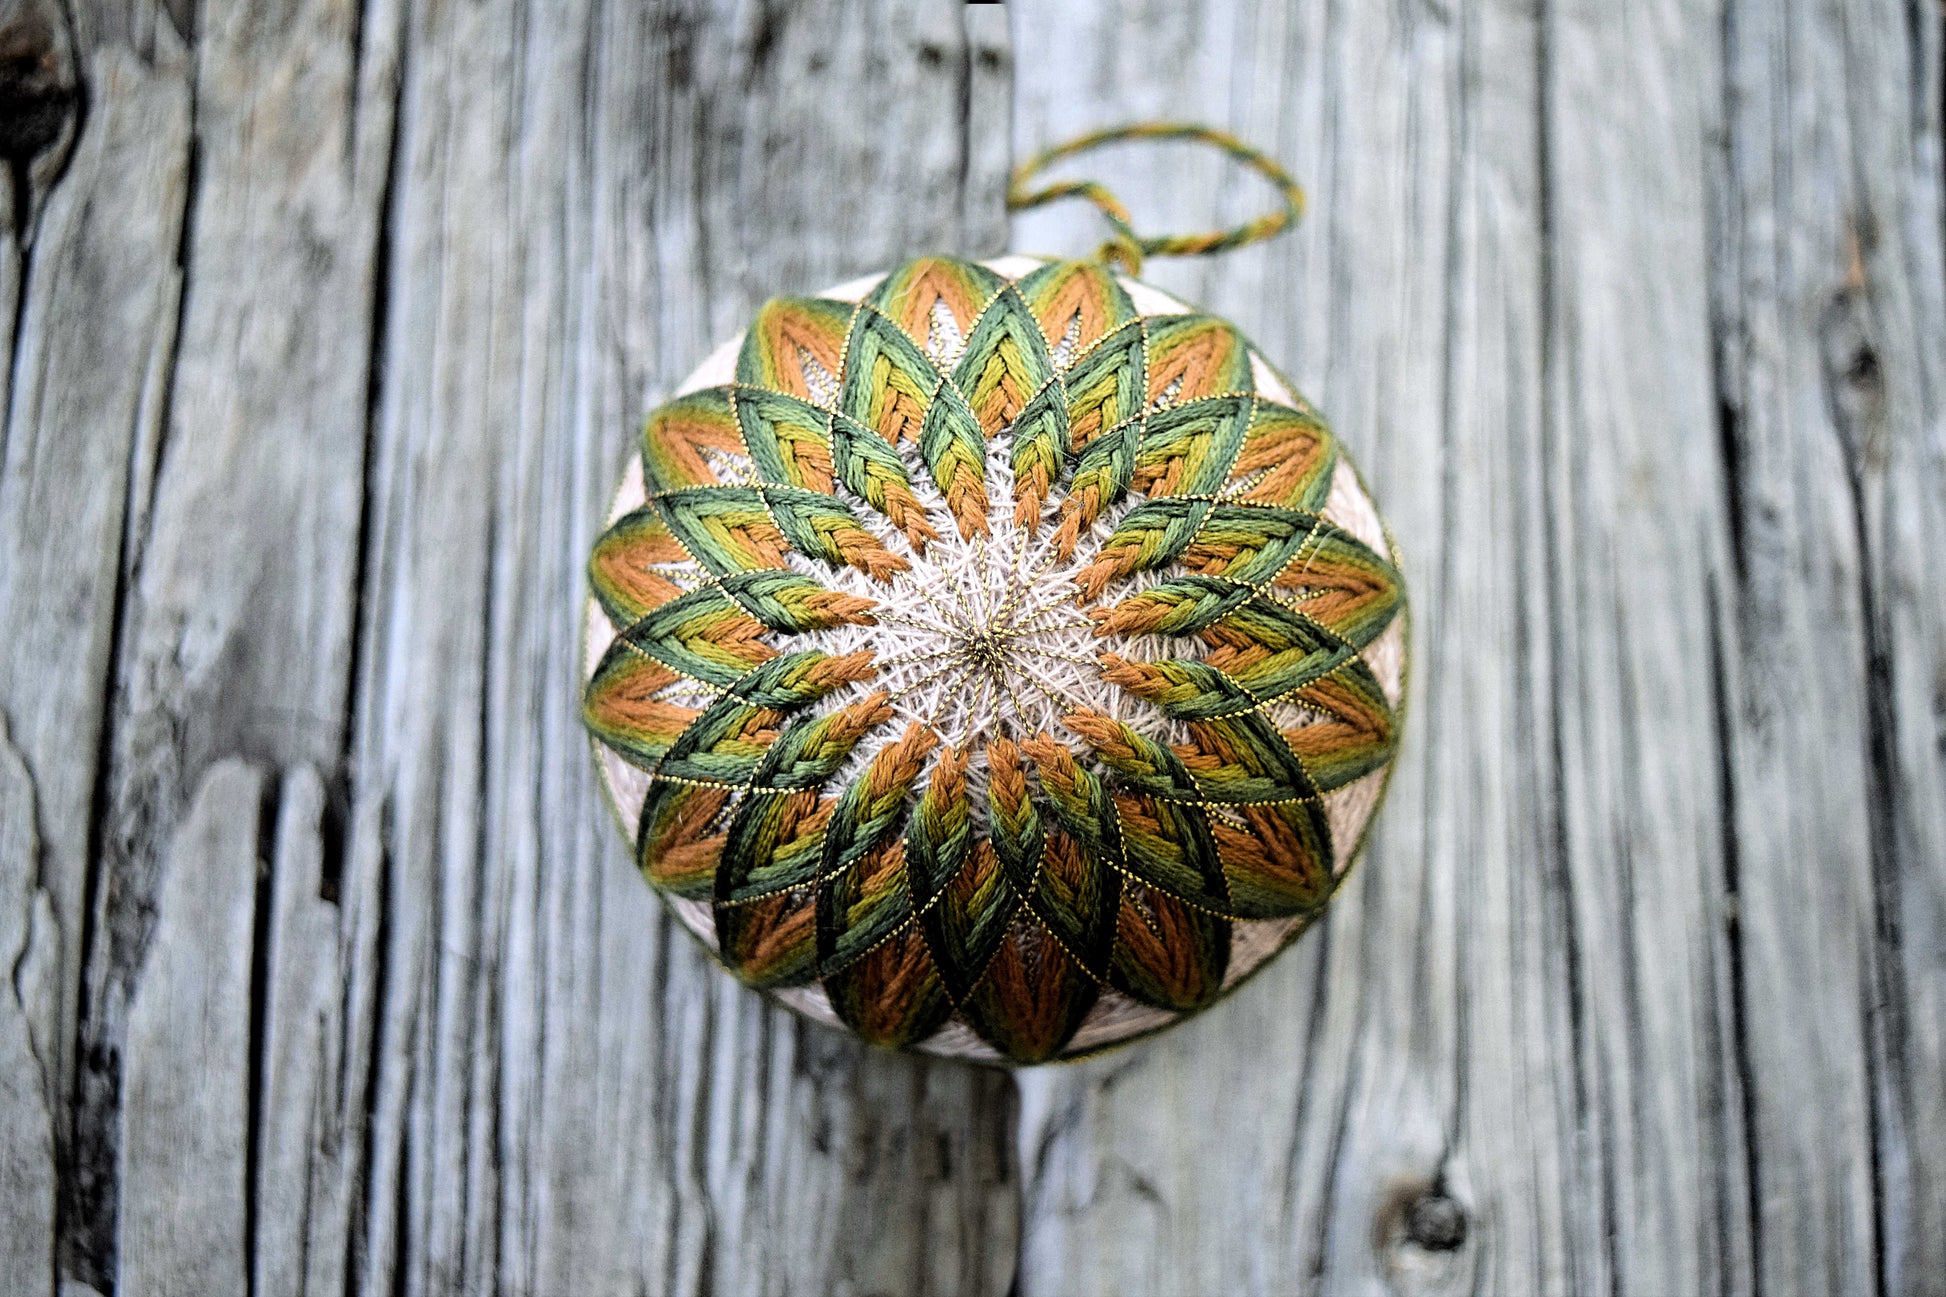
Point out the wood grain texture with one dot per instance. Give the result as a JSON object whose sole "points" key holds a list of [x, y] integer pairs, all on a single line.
{"points": [[1631, 315], [328, 324], [27, 1166], [334, 330], [186, 1067]]}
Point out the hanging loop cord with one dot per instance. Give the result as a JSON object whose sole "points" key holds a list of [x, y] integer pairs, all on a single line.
{"points": [[1127, 248]]}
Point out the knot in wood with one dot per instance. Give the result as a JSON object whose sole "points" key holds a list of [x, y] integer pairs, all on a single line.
{"points": [[37, 85], [1436, 1223]]}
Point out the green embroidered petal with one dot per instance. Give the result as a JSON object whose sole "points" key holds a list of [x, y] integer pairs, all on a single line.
{"points": [[873, 808], [1039, 452], [677, 843], [1077, 890], [1192, 690], [1075, 304], [1242, 758], [728, 529], [822, 526], [1005, 364], [1248, 544], [1032, 995], [775, 843], [894, 995], [862, 907], [1278, 861], [873, 471], [888, 384], [684, 441], [625, 706], [789, 440], [807, 751], [1168, 954], [1101, 478], [731, 739], [1343, 585], [793, 603], [1287, 459], [1107, 387], [724, 745], [1193, 356], [965, 924], [705, 635], [865, 892], [1355, 731], [1189, 449], [1182, 606], [1148, 536], [1013, 821], [796, 346], [955, 451], [1262, 642], [623, 570], [1163, 837], [771, 942], [914, 295], [941, 832]]}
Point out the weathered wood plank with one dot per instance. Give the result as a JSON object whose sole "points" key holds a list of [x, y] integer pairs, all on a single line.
{"points": [[1270, 1146], [298, 1227], [564, 1096], [240, 559], [1830, 330], [261, 456], [1634, 535], [186, 1077], [1901, 506], [27, 1179], [1539, 998], [91, 332]]}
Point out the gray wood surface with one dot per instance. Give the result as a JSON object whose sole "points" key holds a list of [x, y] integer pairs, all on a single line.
{"points": [[329, 322]]}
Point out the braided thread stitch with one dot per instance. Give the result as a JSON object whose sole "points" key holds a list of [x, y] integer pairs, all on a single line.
{"points": [[904, 799]]}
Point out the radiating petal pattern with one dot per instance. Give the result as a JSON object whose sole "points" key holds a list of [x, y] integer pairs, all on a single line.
{"points": [[999, 663]]}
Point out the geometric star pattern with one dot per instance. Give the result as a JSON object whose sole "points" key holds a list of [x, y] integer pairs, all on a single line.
{"points": [[997, 659]]}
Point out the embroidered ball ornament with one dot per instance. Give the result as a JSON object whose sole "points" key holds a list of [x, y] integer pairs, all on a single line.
{"points": [[1000, 659]]}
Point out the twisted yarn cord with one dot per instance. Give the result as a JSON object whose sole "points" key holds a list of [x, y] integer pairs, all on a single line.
{"points": [[1128, 248]]}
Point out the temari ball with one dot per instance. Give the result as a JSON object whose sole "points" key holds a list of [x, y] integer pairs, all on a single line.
{"points": [[997, 659]]}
